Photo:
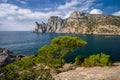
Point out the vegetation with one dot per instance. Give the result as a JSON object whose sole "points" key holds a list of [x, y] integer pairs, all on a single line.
{"points": [[58, 48], [97, 60], [52, 55], [24, 70], [33, 67], [79, 60]]}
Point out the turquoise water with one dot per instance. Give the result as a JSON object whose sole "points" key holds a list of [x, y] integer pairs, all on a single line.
{"points": [[26, 42]]}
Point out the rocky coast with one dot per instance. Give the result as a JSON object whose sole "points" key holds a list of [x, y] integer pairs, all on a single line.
{"points": [[81, 23], [7, 56]]}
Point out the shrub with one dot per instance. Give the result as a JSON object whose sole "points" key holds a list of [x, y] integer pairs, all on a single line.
{"points": [[97, 60], [58, 48], [23, 70], [79, 60]]}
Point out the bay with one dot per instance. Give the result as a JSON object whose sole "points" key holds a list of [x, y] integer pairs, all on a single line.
{"points": [[27, 42]]}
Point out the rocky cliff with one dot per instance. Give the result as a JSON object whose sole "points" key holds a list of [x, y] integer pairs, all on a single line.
{"points": [[81, 23]]}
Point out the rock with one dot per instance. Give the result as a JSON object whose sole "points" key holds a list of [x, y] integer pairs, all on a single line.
{"points": [[55, 24], [76, 15], [93, 73], [7, 56], [81, 23], [36, 27], [67, 67]]}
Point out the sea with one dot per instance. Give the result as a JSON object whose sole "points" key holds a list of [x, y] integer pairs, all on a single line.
{"points": [[28, 43]]}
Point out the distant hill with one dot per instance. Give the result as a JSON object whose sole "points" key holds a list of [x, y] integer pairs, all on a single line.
{"points": [[81, 23]]}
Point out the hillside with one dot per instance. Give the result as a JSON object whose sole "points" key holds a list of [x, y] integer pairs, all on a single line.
{"points": [[81, 23]]}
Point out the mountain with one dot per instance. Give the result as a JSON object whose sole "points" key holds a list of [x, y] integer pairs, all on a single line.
{"points": [[81, 23]]}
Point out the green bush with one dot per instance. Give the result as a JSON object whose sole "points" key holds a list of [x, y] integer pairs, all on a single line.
{"points": [[26, 62], [49, 55], [79, 60], [23, 70], [55, 52], [9, 72], [97, 60]]}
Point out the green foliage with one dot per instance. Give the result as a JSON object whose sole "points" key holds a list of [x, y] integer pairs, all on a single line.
{"points": [[97, 60], [51, 62], [26, 62], [27, 75], [53, 54], [10, 72], [66, 44], [79, 60], [69, 42], [23, 70]]}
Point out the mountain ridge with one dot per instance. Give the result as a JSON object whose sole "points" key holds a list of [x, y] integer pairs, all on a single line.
{"points": [[81, 23]]}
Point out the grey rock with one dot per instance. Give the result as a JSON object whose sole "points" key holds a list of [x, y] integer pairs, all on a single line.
{"points": [[7, 57], [92, 73], [77, 15], [55, 24]]}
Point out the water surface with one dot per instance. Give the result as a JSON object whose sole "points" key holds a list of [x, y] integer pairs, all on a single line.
{"points": [[26, 42]]}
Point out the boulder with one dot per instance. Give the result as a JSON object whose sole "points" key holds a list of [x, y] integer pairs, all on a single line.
{"points": [[7, 56]]}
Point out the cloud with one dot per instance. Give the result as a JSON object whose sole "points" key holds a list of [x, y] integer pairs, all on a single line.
{"points": [[22, 2], [44, 9], [68, 5], [116, 13], [95, 11], [19, 13], [4, 1], [13, 17]]}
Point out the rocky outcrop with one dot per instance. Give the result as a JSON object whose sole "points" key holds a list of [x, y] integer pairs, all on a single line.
{"points": [[7, 56], [92, 73], [55, 24], [81, 23]]}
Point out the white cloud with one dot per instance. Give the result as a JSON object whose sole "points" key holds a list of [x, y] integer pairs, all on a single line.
{"points": [[96, 11], [22, 2], [68, 5], [116, 13], [13, 17]]}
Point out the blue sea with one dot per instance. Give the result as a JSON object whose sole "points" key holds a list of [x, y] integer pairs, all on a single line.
{"points": [[27, 42]]}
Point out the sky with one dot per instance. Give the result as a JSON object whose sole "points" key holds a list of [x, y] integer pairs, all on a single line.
{"points": [[21, 15]]}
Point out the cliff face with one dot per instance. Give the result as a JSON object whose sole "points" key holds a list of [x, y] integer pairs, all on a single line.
{"points": [[81, 23]]}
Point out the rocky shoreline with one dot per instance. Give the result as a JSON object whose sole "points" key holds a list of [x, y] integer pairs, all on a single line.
{"points": [[7, 56]]}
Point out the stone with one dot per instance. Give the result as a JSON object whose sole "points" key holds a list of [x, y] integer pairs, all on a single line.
{"points": [[92, 73], [7, 57], [76, 15]]}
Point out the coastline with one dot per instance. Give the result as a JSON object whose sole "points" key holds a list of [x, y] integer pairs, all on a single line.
{"points": [[104, 34]]}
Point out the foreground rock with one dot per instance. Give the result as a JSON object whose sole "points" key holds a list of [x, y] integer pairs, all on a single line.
{"points": [[81, 23], [7, 56], [94, 73]]}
